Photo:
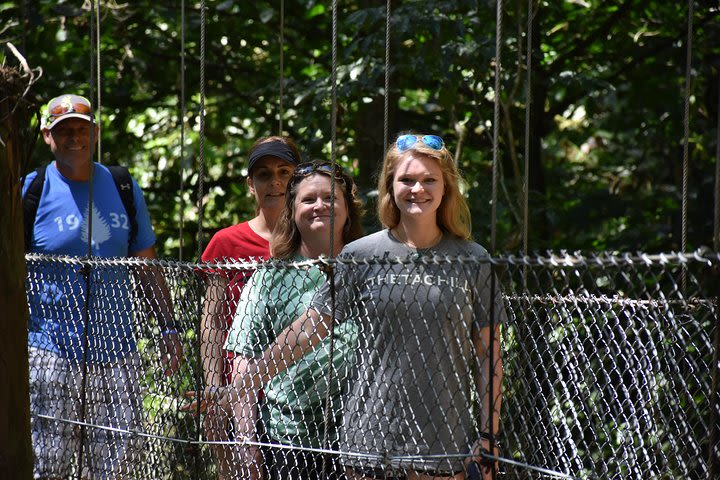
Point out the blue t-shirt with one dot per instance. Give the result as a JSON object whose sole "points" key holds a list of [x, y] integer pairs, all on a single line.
{"points": [[57, 291]]}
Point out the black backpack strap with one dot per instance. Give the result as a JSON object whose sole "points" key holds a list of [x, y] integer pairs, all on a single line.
{"points": [[124, 184], [31, 202]]}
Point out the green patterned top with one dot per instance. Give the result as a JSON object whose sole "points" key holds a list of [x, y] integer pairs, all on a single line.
{"points": [[293, 409]]}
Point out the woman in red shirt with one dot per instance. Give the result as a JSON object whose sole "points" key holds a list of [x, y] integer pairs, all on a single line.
{"points": [[271, 164]]}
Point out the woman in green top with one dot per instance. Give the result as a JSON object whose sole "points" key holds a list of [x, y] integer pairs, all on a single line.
{"points": [[293, 409]]}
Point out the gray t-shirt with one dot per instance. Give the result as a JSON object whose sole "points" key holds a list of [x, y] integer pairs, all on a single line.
{"points": [[413, 390]]}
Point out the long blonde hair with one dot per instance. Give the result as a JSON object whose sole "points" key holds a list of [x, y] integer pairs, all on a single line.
{"points": [[453, 214]]}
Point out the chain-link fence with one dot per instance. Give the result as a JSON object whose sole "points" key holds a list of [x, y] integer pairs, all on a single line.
{"points": [[608, 365]]}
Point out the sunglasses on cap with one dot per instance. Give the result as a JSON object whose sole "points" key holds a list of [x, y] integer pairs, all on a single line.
{"points": [[406, 142], [331, 169], [68, 106]]}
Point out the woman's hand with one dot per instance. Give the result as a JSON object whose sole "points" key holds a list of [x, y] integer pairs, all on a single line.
{"points": [[248, 379], [209, 397]]}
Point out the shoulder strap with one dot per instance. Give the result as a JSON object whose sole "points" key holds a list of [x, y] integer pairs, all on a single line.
{"points": [[123, 182], [31, 201]]}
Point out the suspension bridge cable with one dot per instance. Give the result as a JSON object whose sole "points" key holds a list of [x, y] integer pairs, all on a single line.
{"points": [[182, 129], [496, 124], [282, 68], [686, 140], [93, 48], [201, 153], [528, 110], [528, 106], [86, 270], [493, 235], [686, 126], [716, 223], [98, 70], [327, 413], [333, 122], [386, 99], [201, 192]]}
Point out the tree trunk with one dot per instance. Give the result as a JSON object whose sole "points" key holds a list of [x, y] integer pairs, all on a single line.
{"points": [[17, 137]]}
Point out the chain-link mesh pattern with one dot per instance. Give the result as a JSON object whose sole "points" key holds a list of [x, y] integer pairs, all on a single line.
{"points": [[609, 366]]}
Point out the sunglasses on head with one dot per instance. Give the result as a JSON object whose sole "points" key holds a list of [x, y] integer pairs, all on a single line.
{"points": [[330, 169], [68, 104], [63, 108], [406, 142]]}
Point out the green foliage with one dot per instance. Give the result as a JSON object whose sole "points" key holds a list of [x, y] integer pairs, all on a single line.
{"points": [[606, 139], [606, 131]]}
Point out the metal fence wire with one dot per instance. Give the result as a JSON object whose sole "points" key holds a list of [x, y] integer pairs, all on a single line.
{"points": [[609, 366]]}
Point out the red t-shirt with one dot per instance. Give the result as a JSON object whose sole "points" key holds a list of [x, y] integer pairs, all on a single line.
{"points": [[239, 242]]}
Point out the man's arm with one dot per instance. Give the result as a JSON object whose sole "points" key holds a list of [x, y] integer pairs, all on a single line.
{"points": [[156, 290]]}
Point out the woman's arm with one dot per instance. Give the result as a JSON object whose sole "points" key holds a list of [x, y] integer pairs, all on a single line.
{"points": [[489, 385], [489, 379], [291, 344], [212, 330]]}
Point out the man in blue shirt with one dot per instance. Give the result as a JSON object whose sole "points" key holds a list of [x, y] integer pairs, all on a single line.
{"points": [[84, 363]]}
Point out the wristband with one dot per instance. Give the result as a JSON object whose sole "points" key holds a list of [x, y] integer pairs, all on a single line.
{"points": [[487, 436]]}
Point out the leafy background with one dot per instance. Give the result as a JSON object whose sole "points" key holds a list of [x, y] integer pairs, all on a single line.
{"points": [[606, 124], [605, 129]]}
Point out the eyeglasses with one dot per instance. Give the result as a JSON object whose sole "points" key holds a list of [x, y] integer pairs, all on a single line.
{"points": [[406, 142], [331, 169]]}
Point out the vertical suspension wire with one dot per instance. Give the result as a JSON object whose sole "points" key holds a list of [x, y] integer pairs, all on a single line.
{"points": [[528, 107], [386, 99], [201, 153], [528, 110], [327, 409], [182, 130], [201, 193], [493, 235], [716, 219], [99, 83], [496, 124], [86, 269], [686, 141], [686, 125], [333, 121], [93, 49], [281, 109]]}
